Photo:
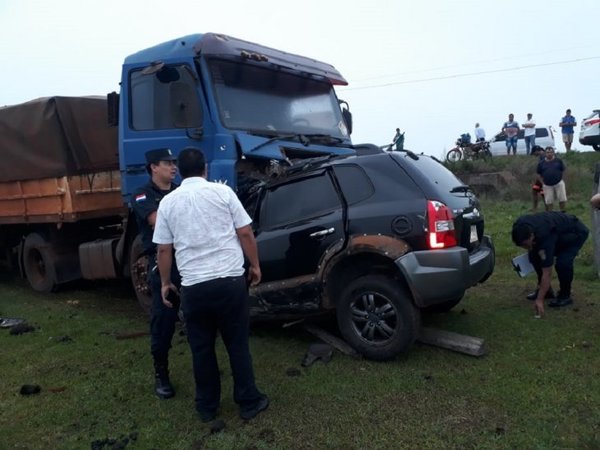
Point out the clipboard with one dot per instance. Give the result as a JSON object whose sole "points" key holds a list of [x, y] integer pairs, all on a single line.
{"points": [[522, 265]]}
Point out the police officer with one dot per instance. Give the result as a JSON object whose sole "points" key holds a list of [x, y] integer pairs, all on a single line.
{"points": [[160, 165], [553, 239]]}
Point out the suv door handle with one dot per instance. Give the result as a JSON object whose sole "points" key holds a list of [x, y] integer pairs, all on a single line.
{"points": [[322, 233]]}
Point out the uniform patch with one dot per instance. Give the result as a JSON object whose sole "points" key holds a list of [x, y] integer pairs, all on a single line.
{"points": [[140, 198], [542, 254]]}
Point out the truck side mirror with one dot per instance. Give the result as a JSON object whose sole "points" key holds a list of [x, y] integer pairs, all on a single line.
{"points": [[185, 109], [112, 109], [346, 114]]}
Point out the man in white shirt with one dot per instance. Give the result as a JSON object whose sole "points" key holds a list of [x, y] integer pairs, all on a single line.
{"points": [[479, 133], [529, 133], [210, 231]]}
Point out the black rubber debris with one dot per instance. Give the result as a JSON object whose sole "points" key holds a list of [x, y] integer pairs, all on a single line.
{"points": [[30, 389]]}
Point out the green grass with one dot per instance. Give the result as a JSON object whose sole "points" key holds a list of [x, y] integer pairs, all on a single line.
{"points": [[537, 388]]}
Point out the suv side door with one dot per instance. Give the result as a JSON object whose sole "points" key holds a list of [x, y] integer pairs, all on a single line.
{"points": [[297, 221]]}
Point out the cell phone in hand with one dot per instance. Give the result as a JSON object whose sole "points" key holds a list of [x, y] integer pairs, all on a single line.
{"points": [[173, 297]]}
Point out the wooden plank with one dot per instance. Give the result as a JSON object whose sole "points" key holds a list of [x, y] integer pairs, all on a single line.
{"points": [[461, 343], [330, 339]]}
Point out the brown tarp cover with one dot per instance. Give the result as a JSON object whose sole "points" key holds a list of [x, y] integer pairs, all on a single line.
{"points": [[56, 136]]}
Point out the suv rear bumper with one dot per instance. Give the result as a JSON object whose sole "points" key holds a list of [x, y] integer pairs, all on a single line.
{"points": [[438, 276]]}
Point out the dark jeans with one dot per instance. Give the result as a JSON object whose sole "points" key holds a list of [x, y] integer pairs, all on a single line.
{"points": [[219, 305], [529, 143], [566, 251], [162, 322]]}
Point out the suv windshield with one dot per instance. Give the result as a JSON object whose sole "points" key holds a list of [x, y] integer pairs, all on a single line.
{"points": [[258, 99]]}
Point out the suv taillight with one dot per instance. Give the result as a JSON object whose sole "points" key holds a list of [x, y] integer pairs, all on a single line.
{"points": [[441, 225]]}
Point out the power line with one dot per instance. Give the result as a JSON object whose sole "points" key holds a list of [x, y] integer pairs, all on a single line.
{"points": [[469, 74], [467, 63]]}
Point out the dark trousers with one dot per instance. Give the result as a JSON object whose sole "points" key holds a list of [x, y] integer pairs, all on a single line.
{"points": [[566, 250], [219, 305], [162, 324]]}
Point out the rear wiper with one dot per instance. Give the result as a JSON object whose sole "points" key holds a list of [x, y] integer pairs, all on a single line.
{"points": [[461, 188]]}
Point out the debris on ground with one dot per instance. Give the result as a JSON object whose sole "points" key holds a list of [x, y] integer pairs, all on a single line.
{"points": [[332, 340], [317, 352], [132, 335], [9, 322], [30, 389], [65, 338], [56, 390], [114, 444], [21, 328]]}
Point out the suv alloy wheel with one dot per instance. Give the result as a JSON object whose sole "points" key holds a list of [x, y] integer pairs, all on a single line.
{"points": [[377, 317]]}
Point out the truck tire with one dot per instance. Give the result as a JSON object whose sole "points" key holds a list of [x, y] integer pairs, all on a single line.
{"points": [[377, 317], [138, 269], [39, 263]]}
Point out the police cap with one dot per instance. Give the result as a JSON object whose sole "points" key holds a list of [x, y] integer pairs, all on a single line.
{"points": [[160, 154]]}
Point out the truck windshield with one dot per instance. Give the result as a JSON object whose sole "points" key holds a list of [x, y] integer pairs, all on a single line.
{"points": [[260, 99]]}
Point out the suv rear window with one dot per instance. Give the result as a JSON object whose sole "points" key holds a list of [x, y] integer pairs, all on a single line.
{"points": [[354, 182]]}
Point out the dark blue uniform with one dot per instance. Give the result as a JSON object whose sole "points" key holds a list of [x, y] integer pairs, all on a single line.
{"points": [[162, 323], [558, 237]]}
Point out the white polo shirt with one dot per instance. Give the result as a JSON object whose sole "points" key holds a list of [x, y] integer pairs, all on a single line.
{"points": [[529, 131], [200, 219]]}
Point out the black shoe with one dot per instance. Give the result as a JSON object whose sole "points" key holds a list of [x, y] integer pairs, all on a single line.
{"points": [[163, 387], [262, 404], [560, 301], [533, 295]]}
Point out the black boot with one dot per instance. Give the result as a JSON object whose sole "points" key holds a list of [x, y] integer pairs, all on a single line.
{"points": [[162, 385]]}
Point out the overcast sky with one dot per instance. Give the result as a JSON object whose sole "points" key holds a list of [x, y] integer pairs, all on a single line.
{"points": [[432, 68]]}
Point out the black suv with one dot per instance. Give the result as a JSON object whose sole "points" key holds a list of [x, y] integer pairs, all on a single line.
{"points": [[377, 237]]}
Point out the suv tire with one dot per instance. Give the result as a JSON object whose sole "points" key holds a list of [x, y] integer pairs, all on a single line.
{"points": [[377, 317]]}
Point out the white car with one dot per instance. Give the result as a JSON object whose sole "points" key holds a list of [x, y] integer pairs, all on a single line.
{"points": [[590, 130], [544, 136]]}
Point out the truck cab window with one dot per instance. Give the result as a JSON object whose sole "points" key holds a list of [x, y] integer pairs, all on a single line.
{"points": [[165, 99], [255, 98]]}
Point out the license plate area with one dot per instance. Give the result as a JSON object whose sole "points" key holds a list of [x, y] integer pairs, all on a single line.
{"points": [[473, 235]]}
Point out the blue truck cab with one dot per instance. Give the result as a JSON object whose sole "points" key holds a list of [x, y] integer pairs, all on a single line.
{"points": [[248, 107]]}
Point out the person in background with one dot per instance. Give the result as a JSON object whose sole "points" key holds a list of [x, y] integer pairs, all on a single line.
{"points": [[211, 232], [398, 140], [566, 124], [160, 165], [550, 171], [529, 133], [551, 239], [537, 189], [479, 133], [511, 131]]}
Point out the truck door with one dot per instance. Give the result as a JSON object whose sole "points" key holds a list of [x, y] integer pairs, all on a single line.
{"points": [[297, 222]]}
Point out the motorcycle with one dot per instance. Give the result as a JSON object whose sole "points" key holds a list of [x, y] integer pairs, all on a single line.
{"points": [[466, 150]]}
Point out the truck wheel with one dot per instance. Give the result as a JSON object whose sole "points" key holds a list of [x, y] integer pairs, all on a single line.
{"points": [[377, 317], [138, 267], [39, 263]]}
